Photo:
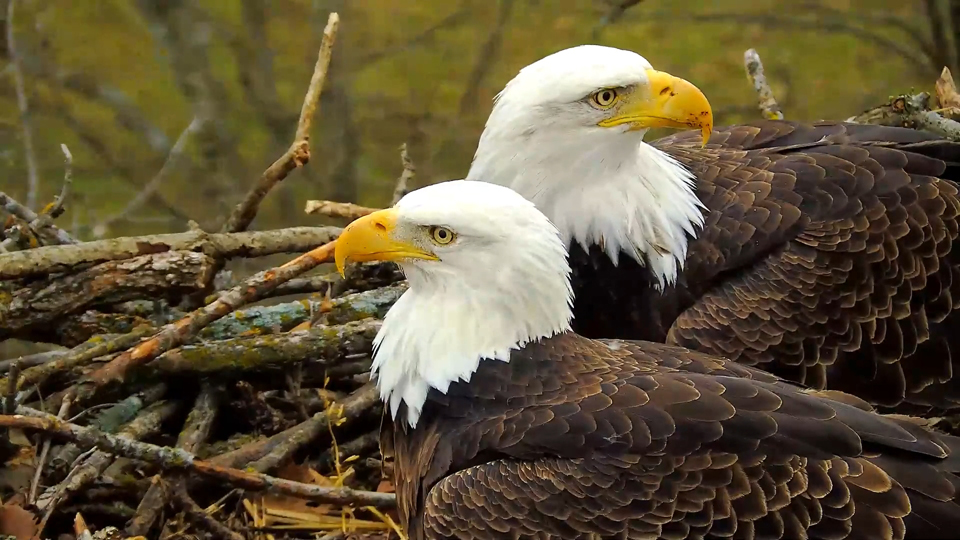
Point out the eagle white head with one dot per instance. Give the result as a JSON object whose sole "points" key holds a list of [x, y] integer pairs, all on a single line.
{"points": [[487, 273], [567, 133]]}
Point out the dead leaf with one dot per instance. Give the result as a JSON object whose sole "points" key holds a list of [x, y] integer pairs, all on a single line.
{"points": [[26, 455], [18, 471], [947, 92], [305, 325], [385, 486], [19, 438], [291, 506], [295, 472], [18, 522]]}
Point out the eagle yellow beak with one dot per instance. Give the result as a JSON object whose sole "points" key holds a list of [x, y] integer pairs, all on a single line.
{"points": [[370, 238], [670, 102]]}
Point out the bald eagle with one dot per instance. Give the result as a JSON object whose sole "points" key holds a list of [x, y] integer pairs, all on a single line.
{"points": [[820, 252], [503, 423]]}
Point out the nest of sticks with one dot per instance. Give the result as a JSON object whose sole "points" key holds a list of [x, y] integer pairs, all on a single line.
{"points": [[171, 408]]}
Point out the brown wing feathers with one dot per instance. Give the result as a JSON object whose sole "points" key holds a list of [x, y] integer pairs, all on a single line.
{"points": [[652, 441], [827, 258]]}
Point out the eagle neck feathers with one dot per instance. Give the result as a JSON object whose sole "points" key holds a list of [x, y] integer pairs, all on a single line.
{"points": [[616, 192], [443, 326]]}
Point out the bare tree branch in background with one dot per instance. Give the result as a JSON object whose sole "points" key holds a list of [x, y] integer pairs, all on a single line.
{"points": [[41, 223], [616, 10], [486, 57], [823, 19], [128, 115], [126, 171], [33, 176], [342, 136], [425, 37], [953, 12], [876, 20], [185, 33], [255, 70], [940, 49], [55, 209], [173, 159]]}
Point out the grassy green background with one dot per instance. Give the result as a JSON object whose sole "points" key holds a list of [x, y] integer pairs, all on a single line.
{"points": [[118, 80]]}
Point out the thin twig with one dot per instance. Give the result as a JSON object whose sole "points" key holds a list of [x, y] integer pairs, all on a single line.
{"points": [[337, 209], [766, 101], [409, 171], [175, 459], [42, 460], [10, 393], [299, 152], [33, 177], [54, 209], [179, 494]]}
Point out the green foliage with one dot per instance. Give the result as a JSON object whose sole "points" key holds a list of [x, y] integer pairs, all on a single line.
{"points": [[107, 77]]}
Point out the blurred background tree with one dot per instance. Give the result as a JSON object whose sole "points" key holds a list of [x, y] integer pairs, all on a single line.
{"points": [[172, 108]]}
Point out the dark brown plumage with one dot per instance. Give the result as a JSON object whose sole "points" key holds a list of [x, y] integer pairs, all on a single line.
{"points": [[575, 438], [827, 257]]}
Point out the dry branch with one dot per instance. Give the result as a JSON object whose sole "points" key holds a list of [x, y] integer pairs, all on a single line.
{"points": [[175, 459], [50, 259], [337, 209], [178, 492], [766, 101], [308, 431], [110, 420], [44, 302], [406, 177], [299, 152], [52, 211], [323, 345], [196, 429], [51, 234], [910, 111], [94, 348], [173, 335], [362, 277], [147, 423]]}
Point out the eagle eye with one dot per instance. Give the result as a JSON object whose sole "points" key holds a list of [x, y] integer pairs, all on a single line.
{"points": [[442, 235], [605, 98]]}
